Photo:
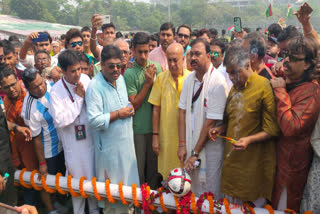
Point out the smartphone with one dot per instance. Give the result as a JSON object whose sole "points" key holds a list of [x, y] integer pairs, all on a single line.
{"points": [[237, 24], [106, 19], [41, 38], [306, 9]]}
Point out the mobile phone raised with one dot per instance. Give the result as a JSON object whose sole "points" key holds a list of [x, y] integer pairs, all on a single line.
{"points": [[237, 24], [41, 38]]}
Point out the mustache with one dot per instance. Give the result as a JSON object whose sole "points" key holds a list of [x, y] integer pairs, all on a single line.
{"points": [[115, 72], [193, 61]]}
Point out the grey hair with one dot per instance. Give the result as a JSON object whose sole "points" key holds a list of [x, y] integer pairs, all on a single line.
{"points": [[236, 56], [120, 39]]}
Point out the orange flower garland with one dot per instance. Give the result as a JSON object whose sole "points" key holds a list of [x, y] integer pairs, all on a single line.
{"points": [[45, 186], [163, 207], [16, 184], [289, 211], [73, 193], [193, 204], [307, 212], [109, 196], [94, 187], [134, 195], [32, 181], [82, 193], [269, 208], [148, 195], [22, 181], [226, 205], [62, 192], [177, 203], [123, 200], [211, 204]]}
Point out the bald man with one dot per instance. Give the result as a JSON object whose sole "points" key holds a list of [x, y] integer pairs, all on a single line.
{"points": [[164, 97]]}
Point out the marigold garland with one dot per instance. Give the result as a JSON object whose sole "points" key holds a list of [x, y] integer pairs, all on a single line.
{"points": [[193, 204], [145, 204], [61, 191], [82, 193], [72, 193], [94, 187], [33, 184], [307, 212], [22, 181], [150, 204], [109, 196], [16, 184], [226, 205], [269, 208], [162, 205], [177, 204], [288, 211], [123, 200], [134, 195], [45, 186], [250, 208], [211, 204]]}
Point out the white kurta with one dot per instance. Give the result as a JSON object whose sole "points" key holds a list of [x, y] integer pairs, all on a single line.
{"points": [[79, 154]]}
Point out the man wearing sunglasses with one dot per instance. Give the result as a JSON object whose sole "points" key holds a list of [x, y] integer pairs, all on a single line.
{"points": [[110, 118], [183, 36]]}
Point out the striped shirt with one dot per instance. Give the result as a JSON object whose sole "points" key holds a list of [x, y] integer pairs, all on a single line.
{"points": [[37, 117]]}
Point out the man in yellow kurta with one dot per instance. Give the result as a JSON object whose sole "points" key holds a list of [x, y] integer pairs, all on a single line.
{"points": [[164, 97], [249, 165]]}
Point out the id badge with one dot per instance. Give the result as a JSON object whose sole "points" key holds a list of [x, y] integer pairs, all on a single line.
{"points": [[80, 131]]}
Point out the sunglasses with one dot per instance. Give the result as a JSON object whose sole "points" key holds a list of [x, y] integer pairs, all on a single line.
{"points": [[74, 44], [292, 58], [183, 35], [112, 65], [215, 53]]}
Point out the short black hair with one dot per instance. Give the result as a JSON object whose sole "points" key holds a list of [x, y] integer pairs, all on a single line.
{"points": [[49, 37], [72, 33], [246, 29], [258, 28], [7, 48], [105, 26], [85, 29], [39, 52], [206, 44], [194, 33], [119, 35], [83, 57], [167, 26], [257, 44], [109, 52], [67, 58], [288, 33], [63, 36], [7, 72], [214, 32], [140, 38], [13, 38], [155, 37], [203, 31], [29, 75], [274, 30], [218, 42], [16, 44], [223, 31], [185, 26]]}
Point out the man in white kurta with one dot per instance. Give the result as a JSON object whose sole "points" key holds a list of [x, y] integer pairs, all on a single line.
{"points": [[110, 117], [69, 113], [201, 114]]}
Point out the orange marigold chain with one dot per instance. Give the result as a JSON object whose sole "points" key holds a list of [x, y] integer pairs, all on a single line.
{"points": [[193, 204], [22, 181], [269, 208], [33, 184], [16, 184], [94, 187], [61, 191], [211, 204], [73, 193], [134, 195], [109, 196], [177, 203], [307, 212], [226, 205], [82, 193], [123, 200], [148, 195], [289, 211], [163, 207], [45, 186]]}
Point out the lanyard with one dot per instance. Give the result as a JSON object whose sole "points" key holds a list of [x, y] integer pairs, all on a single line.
{"points": [[66, 87]]}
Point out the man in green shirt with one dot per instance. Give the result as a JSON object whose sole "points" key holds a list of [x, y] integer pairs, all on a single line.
{"points": [[139, 81]]}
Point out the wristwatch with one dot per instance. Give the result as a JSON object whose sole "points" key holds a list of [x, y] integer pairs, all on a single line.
{"points": [[194, 154], [14, 129]]}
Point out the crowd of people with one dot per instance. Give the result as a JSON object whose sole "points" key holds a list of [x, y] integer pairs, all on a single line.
{"points": [[132, 109]]}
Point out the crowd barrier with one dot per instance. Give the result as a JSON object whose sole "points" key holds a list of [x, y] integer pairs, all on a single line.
{"points": [[126, 194]]}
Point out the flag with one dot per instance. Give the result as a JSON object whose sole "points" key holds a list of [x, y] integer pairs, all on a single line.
{"points": [[289, 11], [231, 28], [269, 11]]}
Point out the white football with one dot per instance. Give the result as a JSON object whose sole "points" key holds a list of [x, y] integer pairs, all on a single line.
{"points": [[179, 182]]}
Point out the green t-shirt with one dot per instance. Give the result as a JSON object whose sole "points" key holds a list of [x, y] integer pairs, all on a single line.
{"points": [[142, 119]]}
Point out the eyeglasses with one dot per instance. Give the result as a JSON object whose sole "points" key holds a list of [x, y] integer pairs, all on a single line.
{"points": [[112, 65], [292, 58], [74, 44], [9, 86], [42, 60], [183, 35]]}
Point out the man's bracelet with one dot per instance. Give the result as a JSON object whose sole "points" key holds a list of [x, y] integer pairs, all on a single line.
{"points": [[93, 38], [118, 115], [43, 163], [155, 133], [182, 141]]}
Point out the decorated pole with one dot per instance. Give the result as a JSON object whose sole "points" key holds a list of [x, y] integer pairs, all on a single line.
{"points": [[101, 190]]}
